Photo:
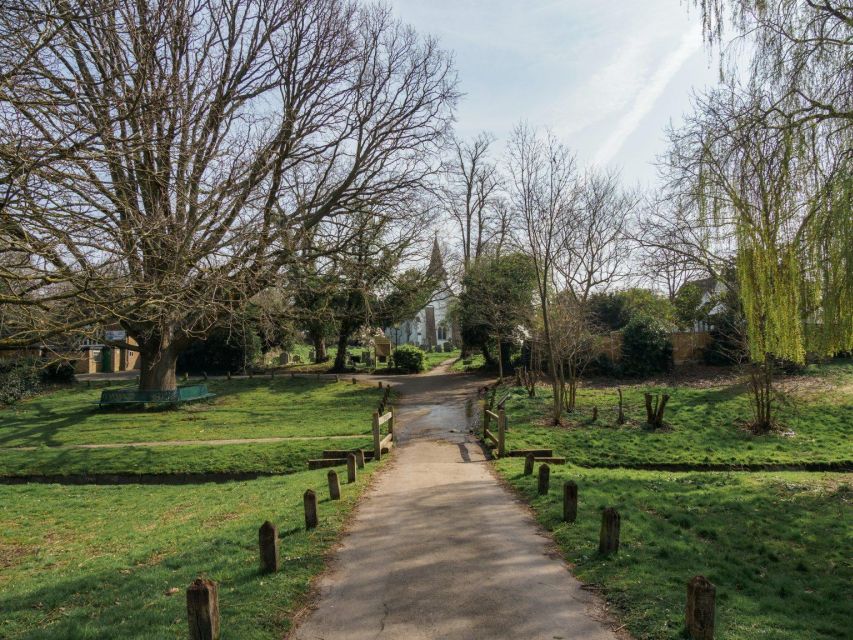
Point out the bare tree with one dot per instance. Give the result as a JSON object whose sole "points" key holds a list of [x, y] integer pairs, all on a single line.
{"points": [[594, 252], [183, 148], [470, 193], [543, 196]]}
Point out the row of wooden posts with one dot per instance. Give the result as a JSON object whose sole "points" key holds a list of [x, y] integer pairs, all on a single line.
{"points": [[202, 594], [701, 593]]}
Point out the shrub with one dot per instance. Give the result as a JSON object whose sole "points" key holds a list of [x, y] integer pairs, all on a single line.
{"points": [[646, 348], [448, 347], [19, 378], [408, 358]]}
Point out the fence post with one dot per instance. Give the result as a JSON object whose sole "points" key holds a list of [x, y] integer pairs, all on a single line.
{"points": [[268, 545], [334, 485], [391, 421], [501, 433], [203, 610], [310, 502], [528, 464], [485, 420], [351, 472], [701, 594], [377, 440], [570, 501], [544, 479], [608, 539], [359, 458]]}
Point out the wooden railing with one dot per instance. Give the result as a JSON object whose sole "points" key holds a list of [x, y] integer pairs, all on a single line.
{"points": [[378, 441], [500, 440]]}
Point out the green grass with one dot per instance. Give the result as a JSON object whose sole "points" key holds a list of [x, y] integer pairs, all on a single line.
{"points": [[276, 457], [98, 562], [432, 360], [475, 363], [776, 545], [256, 408], [704, 425]]}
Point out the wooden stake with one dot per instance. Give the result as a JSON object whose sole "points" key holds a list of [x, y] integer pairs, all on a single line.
{"points": [[203, 610], [701, 596], [501, 433], [359, 458], [268, 545], [310, 502], [570, 501], [334, 485], [608, 539], [352, 475], [544, 479], [528, 464]]}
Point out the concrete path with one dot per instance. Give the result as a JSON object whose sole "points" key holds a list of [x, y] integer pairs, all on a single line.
{"points": [[438, 549]]}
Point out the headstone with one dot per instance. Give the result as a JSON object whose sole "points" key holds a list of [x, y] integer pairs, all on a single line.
{"points": [[608, 539], [310, 502], [701, 595], [334, 485], [544, 479], [203, 610], [352, 475], [570, 501], [268, 545], [284, 358]]}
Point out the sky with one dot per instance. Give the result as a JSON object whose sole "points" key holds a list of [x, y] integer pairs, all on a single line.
{"points": [[605, 77]]}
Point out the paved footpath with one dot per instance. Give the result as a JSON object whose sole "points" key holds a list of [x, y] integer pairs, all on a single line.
{"points": [[438, 549]]}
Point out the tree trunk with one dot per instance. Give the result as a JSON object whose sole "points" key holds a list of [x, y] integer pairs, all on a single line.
{"points": [[552, 362], [320, 354], [500, 360], [761, 383], [341, 355], [157, 358]]}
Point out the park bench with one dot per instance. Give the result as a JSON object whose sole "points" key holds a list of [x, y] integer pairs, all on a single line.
{"points": [[127, 397]]}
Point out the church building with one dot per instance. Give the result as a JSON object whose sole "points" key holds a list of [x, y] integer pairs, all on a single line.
{"points": [[431, 326]]}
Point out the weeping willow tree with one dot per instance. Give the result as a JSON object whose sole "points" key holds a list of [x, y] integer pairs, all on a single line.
{"points": [[781, 193]]}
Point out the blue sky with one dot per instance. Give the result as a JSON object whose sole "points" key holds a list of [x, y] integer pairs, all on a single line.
{"points": [[606, 77]]}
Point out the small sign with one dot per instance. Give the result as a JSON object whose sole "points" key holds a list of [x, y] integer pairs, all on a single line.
{"points": [[115, 335]]}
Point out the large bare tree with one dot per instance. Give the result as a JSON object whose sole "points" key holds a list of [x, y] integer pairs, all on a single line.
{"points": [[544, 198], [167, 157]]}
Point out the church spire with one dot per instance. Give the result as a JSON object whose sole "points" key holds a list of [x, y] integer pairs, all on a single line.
{"points": [[436, 262]]}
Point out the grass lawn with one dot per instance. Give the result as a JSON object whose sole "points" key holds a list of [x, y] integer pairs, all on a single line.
{"points": [[475, 362], [244, 408], [777, 546], [432, 360], [258, 408], [705, 425], [103, 562]]}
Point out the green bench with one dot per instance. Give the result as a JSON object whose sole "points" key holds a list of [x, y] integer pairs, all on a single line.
{"points": [[125, 397]]}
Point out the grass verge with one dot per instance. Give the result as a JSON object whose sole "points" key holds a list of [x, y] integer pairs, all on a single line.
{"points": [[85, 562], [703, 425], [776, 545]]}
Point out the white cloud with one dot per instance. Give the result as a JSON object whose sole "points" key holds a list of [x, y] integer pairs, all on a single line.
{"points": [[645, 99]]}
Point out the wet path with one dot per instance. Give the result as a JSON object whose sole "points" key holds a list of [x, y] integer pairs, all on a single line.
{"points": [[439, 549]]}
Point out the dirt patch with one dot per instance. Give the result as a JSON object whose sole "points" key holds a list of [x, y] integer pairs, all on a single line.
{"points": [[13, 554]]}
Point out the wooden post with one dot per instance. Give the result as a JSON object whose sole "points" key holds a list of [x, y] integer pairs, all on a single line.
{"points": [[351, 472], [334, 485], [203, 610], [570, 501], [359, 458], [701, 594], [544, 479], [353, 380], [268, 545], [501, 433], [391, 421], [310, 502], [377, 454], [337, 379], [608, 539], [228, 375], [528, 464], [380, 384], [485, 420], [594, 414]]}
